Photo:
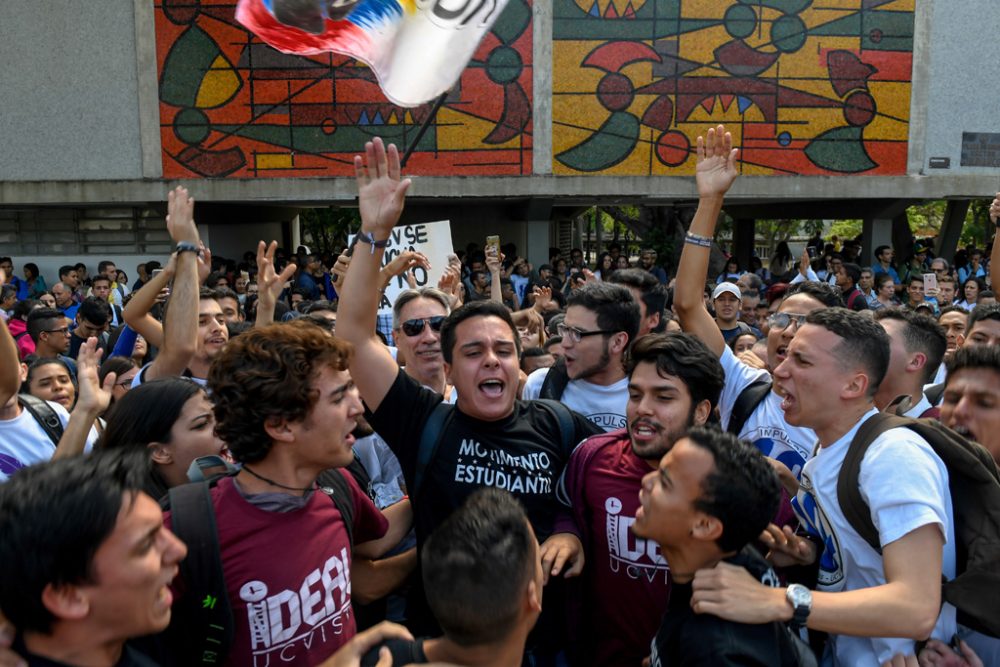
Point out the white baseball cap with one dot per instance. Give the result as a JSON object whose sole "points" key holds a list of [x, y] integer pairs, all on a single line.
{"points": [[722, 288]]}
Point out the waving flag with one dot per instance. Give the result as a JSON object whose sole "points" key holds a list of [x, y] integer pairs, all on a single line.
{"points": [[417, 48]]}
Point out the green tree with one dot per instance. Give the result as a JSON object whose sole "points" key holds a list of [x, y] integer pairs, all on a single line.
{"points": [[327, 228]]}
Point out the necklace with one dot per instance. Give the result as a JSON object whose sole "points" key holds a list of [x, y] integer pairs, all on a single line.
{"points": [[273, 483]]}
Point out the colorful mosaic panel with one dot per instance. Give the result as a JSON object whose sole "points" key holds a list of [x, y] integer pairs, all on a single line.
{"points": [[233, 106], [806, 87]]}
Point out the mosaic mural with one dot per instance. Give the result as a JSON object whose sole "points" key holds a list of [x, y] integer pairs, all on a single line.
{"points": [[231, 106], [806, 87]]}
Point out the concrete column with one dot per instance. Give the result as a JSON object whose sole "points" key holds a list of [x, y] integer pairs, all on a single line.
{"points": [[538, 236], [875, 232], [951, 228], [744, 240], [541, 80]]}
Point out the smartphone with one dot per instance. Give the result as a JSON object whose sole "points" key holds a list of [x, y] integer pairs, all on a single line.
{"points": [[930, 283], [157, 272], [493, 242], [812, 252]]}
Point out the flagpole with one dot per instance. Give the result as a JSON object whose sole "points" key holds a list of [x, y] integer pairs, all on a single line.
{"points": [[423, 128]]}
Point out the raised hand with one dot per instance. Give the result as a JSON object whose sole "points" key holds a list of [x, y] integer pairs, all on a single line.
{"points": [[995, 209], [180, 216], [340, 267], [94, 397], [270, 283], [381, 190], [204, 264], [450, 283], [716, 169], [787, 548]]}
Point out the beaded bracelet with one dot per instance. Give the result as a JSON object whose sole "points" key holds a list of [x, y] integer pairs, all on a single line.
{"points": [[698, 239]]}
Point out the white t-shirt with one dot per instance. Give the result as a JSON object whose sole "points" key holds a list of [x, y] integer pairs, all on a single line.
{"points": [[604, 405], [766, 427], [23, 441], [906, 486]]}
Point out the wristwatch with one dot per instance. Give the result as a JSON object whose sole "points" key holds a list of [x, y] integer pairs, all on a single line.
{"points": [[801, 599], [187, 246]]}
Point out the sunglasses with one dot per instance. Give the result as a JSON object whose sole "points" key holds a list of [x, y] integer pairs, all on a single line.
{"points": [[416, 327], [782, 320]]}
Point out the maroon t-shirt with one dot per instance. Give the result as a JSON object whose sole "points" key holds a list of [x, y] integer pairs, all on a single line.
{"points": [[288, 575], [626, 578]]}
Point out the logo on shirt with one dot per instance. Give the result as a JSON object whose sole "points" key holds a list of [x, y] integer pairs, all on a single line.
{"points": [[640, 558], [609, 421], [518, 473], [774, 443], [814, 520], [284, 623]]}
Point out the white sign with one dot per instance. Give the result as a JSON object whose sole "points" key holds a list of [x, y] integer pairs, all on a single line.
{"points": [[433, 239]]}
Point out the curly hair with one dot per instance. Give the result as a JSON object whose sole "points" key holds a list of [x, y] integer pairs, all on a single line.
{"points": [[268, 372]]}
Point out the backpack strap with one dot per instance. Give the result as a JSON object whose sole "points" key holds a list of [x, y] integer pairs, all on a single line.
{"points": [[555, 381], [748, 400], [852, 504], [44, 415], [20, 335], [934, 393], [430, 440], [567, 429], [206, 616], [333, 483]]}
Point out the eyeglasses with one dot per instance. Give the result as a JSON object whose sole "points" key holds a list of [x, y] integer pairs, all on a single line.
{"points": [[63, 330], [576, 335], [779, 321], [125, 382], [416, 327]]}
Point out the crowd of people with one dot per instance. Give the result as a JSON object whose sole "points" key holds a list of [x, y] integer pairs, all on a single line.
{"points": [[244, 463]]}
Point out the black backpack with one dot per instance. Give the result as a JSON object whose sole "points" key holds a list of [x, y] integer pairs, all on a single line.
{"points": [[555, 381], [203, 625], [974, 484], [752, 395]]}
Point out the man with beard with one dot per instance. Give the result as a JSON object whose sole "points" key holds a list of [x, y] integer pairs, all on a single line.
{"points": [[674, 384], [601, 320]]}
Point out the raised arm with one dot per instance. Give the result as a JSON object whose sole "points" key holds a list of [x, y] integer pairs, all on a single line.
{"points": [[94, 400], [10, 363], [136, 312], [494, 263], [180, 326], [381, 196], [716, 172], [270, 284]]}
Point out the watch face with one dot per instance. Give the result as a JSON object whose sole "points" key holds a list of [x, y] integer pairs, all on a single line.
{"points": [[799, 595]]}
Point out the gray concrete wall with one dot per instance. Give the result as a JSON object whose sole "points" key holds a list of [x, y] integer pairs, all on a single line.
{"points": [[69, 85], [962, 94]]}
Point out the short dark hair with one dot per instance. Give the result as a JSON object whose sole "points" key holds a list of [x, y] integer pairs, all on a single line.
{"points": [[654, 296], [65, 269], [104, 264], [95, 310], [534, 352], [268, 372], [916, 278], [476, 565], [42, 319], [686, 357], [825, 293], [742, 491], [853, 271], [881, 279], [614, 305], [881, 249], [100, 278], [469, 310], [973, 356], [55, 515], [989, 311], [550, 342], [921, 333], [986, 294], [863, 341]]}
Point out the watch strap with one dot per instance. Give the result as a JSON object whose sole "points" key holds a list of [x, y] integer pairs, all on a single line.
{"points": [[186, 246], [369, 238]]}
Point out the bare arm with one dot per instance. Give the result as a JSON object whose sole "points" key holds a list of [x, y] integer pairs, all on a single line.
{"points": [[180, 328], [136, 312], [906, 606], [400, 518], [494, 264], [93, 401], [269, 284], [716, 172], [374, 579], [381, 195]]}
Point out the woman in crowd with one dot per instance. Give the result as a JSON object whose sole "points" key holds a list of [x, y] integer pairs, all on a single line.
{"points": [[782, 264], [36, 284], [180, 429], [50, 379], [731, 273], [623, 261], [605, 266], [971, 289], [125, 370], [18, 325], [885, 290], [47, 299]]}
